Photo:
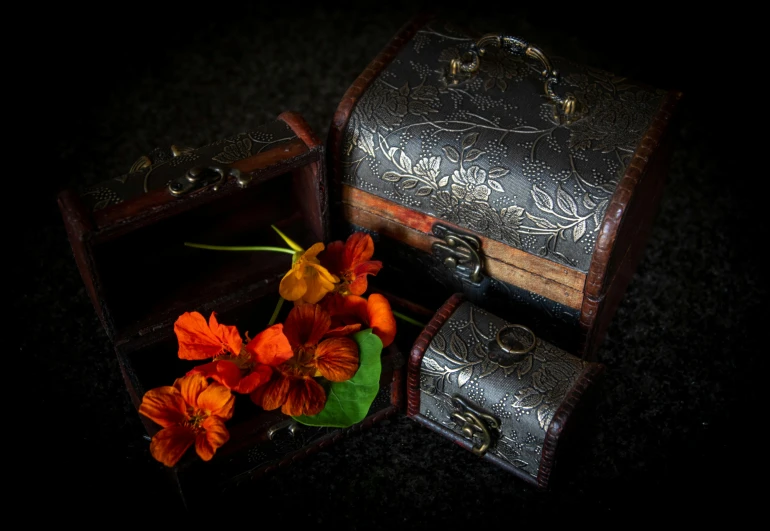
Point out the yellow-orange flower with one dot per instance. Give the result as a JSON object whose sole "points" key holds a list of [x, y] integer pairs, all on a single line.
{"points": [[307, 281], [192, 411]]}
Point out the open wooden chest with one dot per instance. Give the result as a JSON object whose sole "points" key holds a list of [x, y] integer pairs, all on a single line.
{"points": [[128, 236]]}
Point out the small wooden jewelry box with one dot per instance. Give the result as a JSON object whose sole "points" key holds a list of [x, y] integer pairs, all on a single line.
{"points": [[495, 388]]}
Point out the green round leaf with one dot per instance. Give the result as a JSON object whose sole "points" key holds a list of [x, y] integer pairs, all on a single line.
{"points": [[348, 402]]}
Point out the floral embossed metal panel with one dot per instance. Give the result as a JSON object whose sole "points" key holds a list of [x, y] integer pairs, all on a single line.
{"points": [[488, 154], [524, 165], [495, 387]]}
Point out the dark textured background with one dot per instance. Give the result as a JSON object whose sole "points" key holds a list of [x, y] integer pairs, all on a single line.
{"points": [[673, 434]]}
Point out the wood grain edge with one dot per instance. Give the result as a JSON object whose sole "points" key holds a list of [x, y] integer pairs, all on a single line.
{"points": [[413, 228], [419, 348], [359, 86], [587, 379], [599, 275], [80, 228], [300, 127]]}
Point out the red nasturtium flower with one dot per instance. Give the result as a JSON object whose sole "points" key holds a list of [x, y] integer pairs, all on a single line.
{"points": [[307, 280], [238, 367], [292, 387], [351, 261], [374, 313], [192, 411]]}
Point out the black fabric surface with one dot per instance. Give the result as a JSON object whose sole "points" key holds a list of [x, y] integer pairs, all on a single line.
{"points": [[676, 432]]}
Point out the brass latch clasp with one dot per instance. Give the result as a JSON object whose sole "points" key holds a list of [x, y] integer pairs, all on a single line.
{"points": [[475, 424], [459, 252], [201, 177]]}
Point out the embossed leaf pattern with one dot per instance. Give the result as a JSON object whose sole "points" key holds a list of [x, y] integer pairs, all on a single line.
{"points": [[528, 398], [451, 153], [457, 347], [432, 365], [542, 199], [565, 201], [579, 230], [541, 222], [464, 376], [496, 173]]}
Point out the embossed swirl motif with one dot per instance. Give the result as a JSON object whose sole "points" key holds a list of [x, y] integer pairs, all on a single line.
{"points": [[522, 392], [488, 154], [160, 166]]}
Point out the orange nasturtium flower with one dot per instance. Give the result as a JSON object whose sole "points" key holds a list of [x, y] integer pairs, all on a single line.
{"points": [[374, 313], [192, 411], [307, 280], [238, 367], [293, 387], [351, 261]]}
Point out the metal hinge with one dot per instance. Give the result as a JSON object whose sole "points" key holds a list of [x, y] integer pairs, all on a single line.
{"points": [[475, 424], [459, 252], [201, 177]]}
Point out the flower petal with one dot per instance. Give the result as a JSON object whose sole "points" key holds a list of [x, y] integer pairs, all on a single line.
{"points": [[306, 325], [292, 287], [271, 346], [305, 397], [190, 386], [228, 335], [337, 358], [260, 375], [381, 318], [214, 436], [273, 394], [481, 193], [169, 444], [164, 406], [331, 258], [457, 191], [358, 248], [359, 285], [217, 400], [196, 340], [344, 330], [319, 283], [313, 251], [223, 371]]}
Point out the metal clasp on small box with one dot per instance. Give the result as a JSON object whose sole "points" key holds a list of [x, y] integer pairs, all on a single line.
{"points": [[459, 252], [475, 424], [201, 177]]}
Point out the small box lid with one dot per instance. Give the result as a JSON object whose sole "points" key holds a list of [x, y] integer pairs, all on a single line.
{"points": [[128, 233]]}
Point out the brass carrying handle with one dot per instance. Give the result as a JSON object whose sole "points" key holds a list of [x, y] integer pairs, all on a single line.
{"points": [[470, 62]]}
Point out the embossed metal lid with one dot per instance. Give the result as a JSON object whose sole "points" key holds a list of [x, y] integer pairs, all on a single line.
{"points": [[526, 150]]}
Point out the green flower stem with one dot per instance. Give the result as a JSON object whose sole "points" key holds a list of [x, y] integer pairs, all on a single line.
{"points": [[291, 243], [239, 248], [409, 319], [276, 311]]}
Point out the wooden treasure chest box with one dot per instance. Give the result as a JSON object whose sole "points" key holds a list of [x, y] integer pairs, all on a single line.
{"points": [[496, 389], [128, 235], [488, 167]]}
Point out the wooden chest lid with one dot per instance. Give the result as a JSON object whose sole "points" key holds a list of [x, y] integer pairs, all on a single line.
{"points": [[128, 233], [489, 152]]}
